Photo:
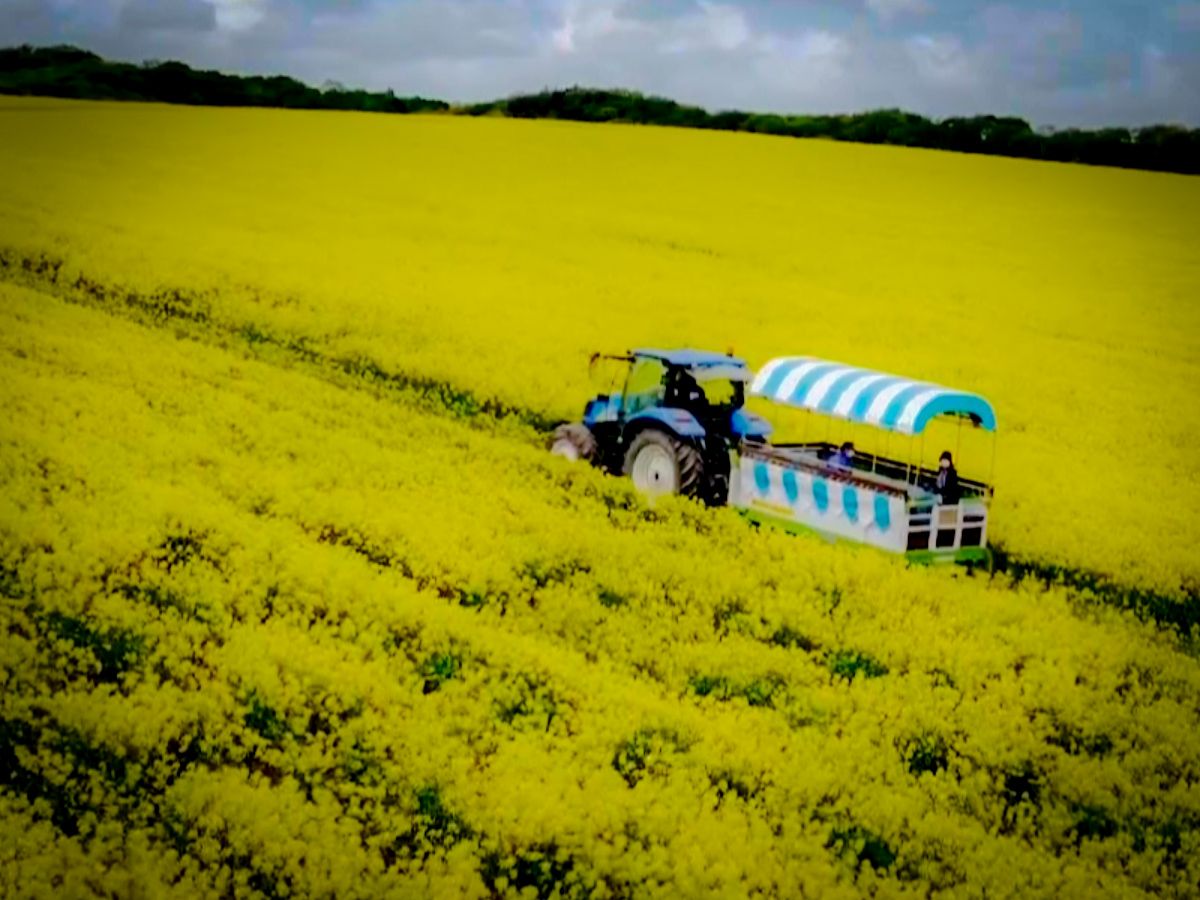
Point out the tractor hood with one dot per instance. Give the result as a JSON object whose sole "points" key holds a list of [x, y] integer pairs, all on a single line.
{"points": [[743, 423]]}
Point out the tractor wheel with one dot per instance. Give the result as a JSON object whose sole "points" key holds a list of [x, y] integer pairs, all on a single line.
{"points": [[661, 464], [574, 442]]}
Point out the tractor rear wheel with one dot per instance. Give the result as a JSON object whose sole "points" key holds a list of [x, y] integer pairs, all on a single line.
{"points": [[661, 464], [574, 442]]}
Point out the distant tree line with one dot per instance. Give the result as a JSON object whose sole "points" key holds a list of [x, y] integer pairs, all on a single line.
{"points": [[1171, 148], [74, 73], [71, 72]]}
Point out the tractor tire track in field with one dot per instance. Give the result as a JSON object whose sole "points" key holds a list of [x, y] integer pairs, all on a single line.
{"points": [[187, 312], [189, 315]]}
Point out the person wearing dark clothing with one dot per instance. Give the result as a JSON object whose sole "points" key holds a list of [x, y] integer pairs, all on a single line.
{"points": [[686, 393], [841, 461], [946, 486]]}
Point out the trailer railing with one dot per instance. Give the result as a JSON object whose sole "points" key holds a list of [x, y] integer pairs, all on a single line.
{"points": [[934, 528], [804, 457], [866, 465]]}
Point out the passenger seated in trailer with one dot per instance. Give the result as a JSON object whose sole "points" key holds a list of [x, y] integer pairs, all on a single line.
{"points": [[841, 461], [946, 485]]}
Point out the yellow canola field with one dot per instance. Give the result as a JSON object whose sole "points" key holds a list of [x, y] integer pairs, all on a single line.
{"points": [[267, 635], [494, 255]]}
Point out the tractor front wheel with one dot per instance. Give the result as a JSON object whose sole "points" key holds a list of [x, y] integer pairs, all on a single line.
{"points": [[661, 464], [574, 442]]}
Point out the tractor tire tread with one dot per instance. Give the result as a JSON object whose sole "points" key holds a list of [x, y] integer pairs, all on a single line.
{"points": [[691, 469], [579, 436], [688, 459]]}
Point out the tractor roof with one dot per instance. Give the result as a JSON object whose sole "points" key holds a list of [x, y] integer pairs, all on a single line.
{"points": [[690, 358]]}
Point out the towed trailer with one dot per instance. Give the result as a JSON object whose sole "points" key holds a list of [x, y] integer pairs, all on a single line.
{"points": [[678, 425], [887, 503], [791, 486]]}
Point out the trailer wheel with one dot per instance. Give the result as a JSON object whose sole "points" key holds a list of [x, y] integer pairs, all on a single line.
{"points": [[573, 442], [661, 464]]}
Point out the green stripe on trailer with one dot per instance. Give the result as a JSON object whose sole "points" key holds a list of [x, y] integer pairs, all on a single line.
{"points": [[972, 555], [758, 517], [963, 555]]}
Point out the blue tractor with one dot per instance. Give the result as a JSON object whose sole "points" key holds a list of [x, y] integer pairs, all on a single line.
{"points": [[675, 426]]}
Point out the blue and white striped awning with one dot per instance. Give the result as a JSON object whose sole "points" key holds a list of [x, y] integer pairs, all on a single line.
{"points": [[861, 395]]}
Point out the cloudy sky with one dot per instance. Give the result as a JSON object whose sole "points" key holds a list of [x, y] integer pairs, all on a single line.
{"points": [[1054, 62]]}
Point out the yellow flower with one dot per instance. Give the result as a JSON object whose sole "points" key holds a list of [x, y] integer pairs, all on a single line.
{"points": [[275, 623]]}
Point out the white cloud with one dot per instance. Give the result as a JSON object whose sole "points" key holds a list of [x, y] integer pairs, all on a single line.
{"points": [[941, 60], [713, 26], [1157, 72], [584, 23], [612, 25], [813, 52], [807, 72], [372, 43], [1066, 64], [239, 15]]}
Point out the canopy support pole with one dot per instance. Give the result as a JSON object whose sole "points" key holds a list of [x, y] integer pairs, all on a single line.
{"points": [[992, 468]]}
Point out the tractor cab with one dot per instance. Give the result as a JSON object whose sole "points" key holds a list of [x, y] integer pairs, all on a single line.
{"points": [[669, 419]]}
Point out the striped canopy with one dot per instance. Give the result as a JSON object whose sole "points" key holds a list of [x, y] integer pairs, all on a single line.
{"points": [[861, 395]]}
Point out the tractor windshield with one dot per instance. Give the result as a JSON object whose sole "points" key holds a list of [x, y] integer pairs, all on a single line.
{"points": [[723, 386], [723, 393], [645, 387]]}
